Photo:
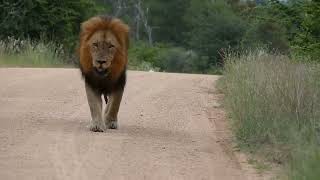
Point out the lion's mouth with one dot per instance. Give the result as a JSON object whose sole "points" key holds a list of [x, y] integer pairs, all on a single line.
{"points": [[101, 72]]}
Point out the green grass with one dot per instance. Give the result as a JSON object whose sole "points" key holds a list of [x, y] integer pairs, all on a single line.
{"points": [[259, 165], [25, 53], [274, 105]]}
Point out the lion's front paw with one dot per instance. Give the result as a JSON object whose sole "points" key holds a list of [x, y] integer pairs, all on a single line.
{"points": [[113, 125], [95, 127]]}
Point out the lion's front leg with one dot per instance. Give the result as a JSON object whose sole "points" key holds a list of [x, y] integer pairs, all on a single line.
{"points": [[112, 109], [95, 104]]}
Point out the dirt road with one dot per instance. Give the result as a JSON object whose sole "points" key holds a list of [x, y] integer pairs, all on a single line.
{"points": [[169, 128]]}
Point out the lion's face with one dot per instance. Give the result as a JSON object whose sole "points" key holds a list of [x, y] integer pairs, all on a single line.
{"points": [[103, 47]]}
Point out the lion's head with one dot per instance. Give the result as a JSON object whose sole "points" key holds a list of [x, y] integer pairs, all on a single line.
{"points": [[103, 46]]}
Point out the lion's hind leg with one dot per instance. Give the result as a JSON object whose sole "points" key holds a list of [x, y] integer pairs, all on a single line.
{"points": [[95, 104]]}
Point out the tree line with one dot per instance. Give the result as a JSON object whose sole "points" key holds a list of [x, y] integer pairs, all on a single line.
{"points": [[176, 35]]}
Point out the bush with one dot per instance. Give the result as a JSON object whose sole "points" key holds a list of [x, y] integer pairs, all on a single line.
{"points": [[274, 102], [177, 60], [307, 42], [268, 34], [142, 56], [57, 21], [163, 57]]}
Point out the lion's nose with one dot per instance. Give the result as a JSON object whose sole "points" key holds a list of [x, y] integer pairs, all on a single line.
{"points": [[101, 62]]}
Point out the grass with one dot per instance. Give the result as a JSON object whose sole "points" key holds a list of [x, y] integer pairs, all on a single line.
{"points": [[274, 105], [259, 165], [25, 53]]}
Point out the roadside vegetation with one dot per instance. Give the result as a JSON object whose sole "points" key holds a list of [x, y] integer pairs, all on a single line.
{"points": [[25, 53], [188, 36], [274, 106]]}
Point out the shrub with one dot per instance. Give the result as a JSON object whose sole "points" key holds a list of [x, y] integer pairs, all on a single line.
{"points": [[268, 34], [177, 60], [163, 57], [143, 55]]}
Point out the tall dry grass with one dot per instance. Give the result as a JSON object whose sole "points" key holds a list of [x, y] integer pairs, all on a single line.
{"points": [[26, 53], [274, 104]]}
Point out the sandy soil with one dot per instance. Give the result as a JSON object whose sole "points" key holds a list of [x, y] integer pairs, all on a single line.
{"points": [[171, 126]]}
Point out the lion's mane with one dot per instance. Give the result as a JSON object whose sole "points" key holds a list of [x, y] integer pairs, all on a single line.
{"points": [[117, 76]]}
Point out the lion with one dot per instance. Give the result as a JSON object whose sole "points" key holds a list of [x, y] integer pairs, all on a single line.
{"points": [[103, 53]]}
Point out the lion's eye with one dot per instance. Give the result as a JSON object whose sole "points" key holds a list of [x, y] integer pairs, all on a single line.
{"points": [[111, 46], [95, 45]]}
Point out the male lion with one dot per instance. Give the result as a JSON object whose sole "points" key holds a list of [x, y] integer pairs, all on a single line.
{"points": [[103, 59]]}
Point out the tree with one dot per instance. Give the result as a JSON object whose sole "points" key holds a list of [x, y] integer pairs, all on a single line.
{"points": [[214, 26], [307, 42], [166, 19], [58, 21]]}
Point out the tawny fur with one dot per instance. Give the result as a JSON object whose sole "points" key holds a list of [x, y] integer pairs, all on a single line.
{"points": [[112, 84]]}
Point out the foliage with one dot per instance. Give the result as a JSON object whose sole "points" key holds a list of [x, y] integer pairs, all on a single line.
{"points": [[57, 21], [142, 56], [307, 42], [177, 60], [166, 18], [274, 106], [213, 27], [268, 34], [161, 57], [291, 27], [198, 32], [270, 26]]}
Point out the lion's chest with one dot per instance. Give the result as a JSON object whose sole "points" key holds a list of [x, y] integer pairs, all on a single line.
{"points": [[105, 85]]}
